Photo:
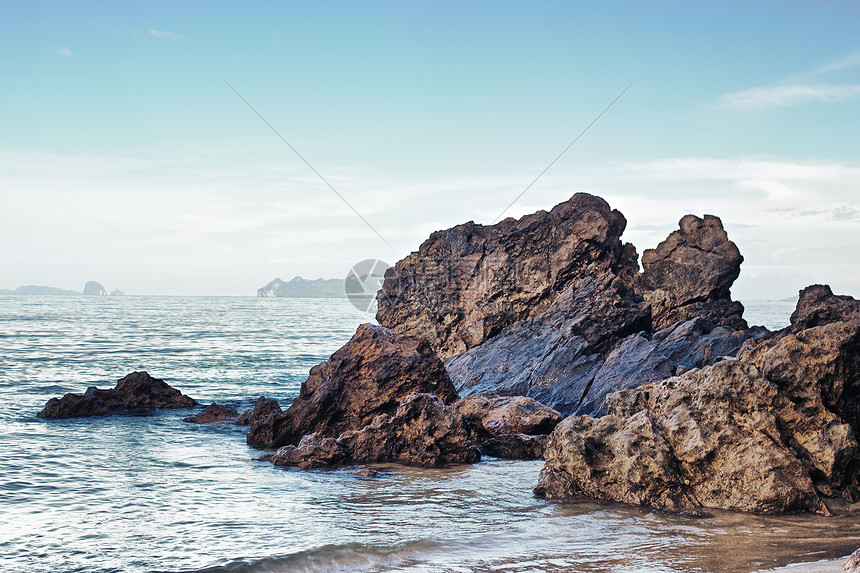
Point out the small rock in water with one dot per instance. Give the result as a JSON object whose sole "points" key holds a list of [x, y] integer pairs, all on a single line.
{"points": [[137, 391], [214, 414]]}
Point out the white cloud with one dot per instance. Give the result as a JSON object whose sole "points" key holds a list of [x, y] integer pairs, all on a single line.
{"points": [[787, 96], [796, 90], [163, 34], [65, 52]]}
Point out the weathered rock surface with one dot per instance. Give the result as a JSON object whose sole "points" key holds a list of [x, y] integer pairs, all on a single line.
{"points": [[689, 275], [137, 391], [464, 285], [763, 433], [214, 414], [594, 339], [512, 427], [92, 288], [422, 431], [262, 407], [492, 415], [367, 377], [852, 564]]}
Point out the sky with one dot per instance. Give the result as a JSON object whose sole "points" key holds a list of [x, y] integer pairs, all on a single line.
{"points": [[126, 158]]}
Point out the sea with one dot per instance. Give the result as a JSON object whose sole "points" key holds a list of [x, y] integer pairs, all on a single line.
{"points": [[146, 493]]}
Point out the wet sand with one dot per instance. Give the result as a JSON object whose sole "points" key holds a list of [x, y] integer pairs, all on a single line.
{"points": [[831, 566]]}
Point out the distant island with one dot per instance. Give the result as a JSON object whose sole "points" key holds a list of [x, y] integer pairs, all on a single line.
{"points": [[92, 288], [298, 287], [39, 290]]}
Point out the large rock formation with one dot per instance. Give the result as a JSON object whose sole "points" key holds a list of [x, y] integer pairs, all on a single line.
{"points": [[773, 431], [368, 377], [92, 288], [135, 392], [466, 284], [689, 275], [552, 306]]}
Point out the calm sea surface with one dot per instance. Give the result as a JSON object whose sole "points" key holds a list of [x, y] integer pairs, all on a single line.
{"points": [[151, 493]]}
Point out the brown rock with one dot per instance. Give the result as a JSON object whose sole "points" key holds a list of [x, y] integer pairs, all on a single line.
{"points": [[367, 377], [262, 407], [137, 391], [689, 274], [214, 414], [494, 415], [515, 446], [751, 434], [465, 284], [817, 306], [852, 564], [423, 431]]}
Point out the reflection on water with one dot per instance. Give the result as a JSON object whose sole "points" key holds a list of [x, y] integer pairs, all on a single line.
{"points": [[144, 493]]}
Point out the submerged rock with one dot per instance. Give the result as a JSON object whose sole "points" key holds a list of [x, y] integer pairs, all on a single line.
{"points": [[466, 284], [757, 434], [368, 377], [137, 391], [214, 414]]}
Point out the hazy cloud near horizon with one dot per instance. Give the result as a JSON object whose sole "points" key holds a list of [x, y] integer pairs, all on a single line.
{"points": [[177, 227]]}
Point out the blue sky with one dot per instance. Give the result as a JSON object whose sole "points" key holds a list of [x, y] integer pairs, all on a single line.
{"points": [[124, 157]]}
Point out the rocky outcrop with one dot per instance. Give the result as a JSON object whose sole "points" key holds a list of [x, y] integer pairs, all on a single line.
{"points": [[92, 288], [135, 392], [689, 275], [852, 564], [422, 431], [214, 414], [774, 431], [466, 284], [368, 377], [263, 408]]}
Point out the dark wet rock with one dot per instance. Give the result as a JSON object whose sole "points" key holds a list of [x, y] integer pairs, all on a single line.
{"points": [[262, 407], [93, 288], [515, 446], [466, 284], [852, 564], [594, 340], [137, 391], [761, 433], [423, 431], [493, 415], [365, 472], [690, 273], [214, 414], [367, 377]]}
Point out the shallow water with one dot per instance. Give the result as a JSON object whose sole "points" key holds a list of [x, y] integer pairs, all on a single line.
{"points": [[151, 493]]}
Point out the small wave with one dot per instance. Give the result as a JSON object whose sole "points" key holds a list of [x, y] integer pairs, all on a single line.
{"points": [[341, 558]]}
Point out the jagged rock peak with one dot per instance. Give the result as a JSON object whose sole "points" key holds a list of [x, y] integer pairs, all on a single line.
{"points": [[690, 274], [465, 284]]}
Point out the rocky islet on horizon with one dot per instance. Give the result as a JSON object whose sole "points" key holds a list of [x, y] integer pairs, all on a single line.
{"points": [[541, 337]]}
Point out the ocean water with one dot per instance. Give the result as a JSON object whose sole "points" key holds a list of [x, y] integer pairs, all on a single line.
{"points": [[151, 493]]}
